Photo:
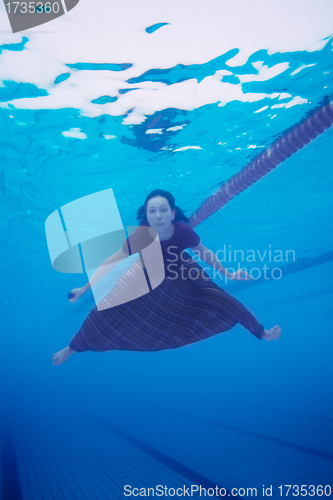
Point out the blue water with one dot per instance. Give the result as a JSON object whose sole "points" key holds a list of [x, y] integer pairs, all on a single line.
{"points": [[231, 410]]}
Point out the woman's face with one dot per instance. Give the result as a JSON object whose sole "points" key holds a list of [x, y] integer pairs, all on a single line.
{"points": [[159, 213]]}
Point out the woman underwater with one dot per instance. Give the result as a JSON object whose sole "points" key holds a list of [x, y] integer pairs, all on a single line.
{"points": [[185, 308]]}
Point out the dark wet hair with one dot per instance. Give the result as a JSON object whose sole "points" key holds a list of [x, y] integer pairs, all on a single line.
{"points": [[142, 212]]}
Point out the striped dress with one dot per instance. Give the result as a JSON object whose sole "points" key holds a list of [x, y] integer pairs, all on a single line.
{"points": [[185, 308]]}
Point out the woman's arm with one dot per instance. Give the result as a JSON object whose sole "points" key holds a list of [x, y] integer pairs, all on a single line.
{"points": [[103, 269], [106, 267], [210, 258]]}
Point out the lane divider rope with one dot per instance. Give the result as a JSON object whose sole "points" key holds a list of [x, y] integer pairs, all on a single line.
{"points": [[292, 141]]}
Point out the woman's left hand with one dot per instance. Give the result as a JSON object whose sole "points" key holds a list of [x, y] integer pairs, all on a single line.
{"points": [[239, 275]]}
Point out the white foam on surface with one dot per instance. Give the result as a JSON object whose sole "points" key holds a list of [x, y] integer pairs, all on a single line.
{"points": [[265, 73], [293, 102], [300, 68], [154, 131], [261, 109], [75, 133], [185, 148], [104, 32], [174, 129]]}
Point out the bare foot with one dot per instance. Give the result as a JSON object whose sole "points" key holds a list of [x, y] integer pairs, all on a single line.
{"points": [[61, 356], [273, 333]]}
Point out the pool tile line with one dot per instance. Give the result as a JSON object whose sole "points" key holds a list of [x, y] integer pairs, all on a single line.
{"points": [[10, 481], [190, 474], [298, 447]]}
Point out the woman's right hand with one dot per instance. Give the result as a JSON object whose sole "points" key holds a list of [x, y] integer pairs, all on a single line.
{"points": [[76, 293]]}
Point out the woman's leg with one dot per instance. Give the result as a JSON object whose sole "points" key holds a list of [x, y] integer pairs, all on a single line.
{"points": [[232, 311], [242, 315], [272, 334], [61, 356]]}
